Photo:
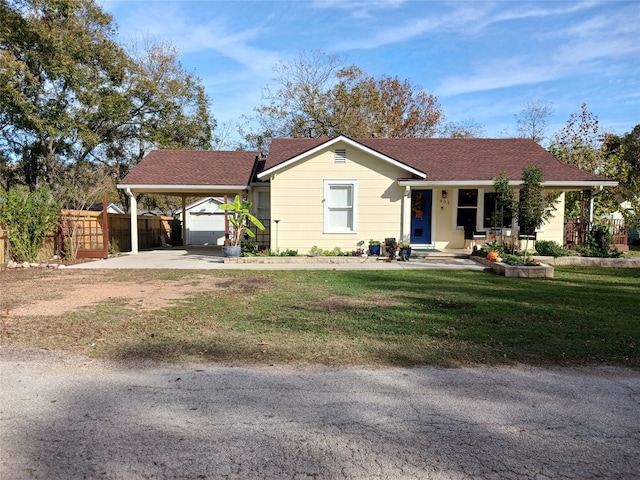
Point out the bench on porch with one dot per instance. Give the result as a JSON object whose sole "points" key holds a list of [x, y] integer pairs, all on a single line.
{"points": [[472, 236]]}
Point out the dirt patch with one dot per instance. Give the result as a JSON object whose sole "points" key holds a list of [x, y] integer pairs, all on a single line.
{"points": [[37, 295], [341, 304]]}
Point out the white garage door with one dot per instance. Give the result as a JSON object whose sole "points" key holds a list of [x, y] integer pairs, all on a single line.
{"points": [[206, 228]]}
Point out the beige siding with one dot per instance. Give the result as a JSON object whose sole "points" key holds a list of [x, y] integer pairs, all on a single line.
{"points": [[444, 217], [297, 195], [448, 236], [297, 199], [554, 228]]}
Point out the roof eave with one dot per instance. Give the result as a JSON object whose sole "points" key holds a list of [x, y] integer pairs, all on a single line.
{"points": [[570, 184], [161, 188]]}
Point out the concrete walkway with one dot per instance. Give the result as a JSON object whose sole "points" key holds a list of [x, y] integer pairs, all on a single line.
{"points": [[210, 258]]}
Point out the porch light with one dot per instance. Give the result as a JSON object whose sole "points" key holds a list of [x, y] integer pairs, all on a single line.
{"points": [[277, 222], [444, 194]]}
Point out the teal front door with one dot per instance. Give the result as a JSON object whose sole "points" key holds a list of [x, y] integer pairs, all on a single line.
{"points": [[421, 217]]}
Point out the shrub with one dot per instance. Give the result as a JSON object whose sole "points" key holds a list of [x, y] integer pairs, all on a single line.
{"points": [[319, 252], [249, 247], [549, 248], [598, 243], [29, 216]]}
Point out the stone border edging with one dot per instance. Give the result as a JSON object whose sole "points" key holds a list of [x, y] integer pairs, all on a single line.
{"points": [[516, 271], [591, 261], [306, 259]]}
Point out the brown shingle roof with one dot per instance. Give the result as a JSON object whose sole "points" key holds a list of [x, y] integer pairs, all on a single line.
{"points": [[445, 159], [193, 167], [441, 159]]}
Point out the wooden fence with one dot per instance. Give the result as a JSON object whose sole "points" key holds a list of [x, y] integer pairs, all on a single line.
{"points": [[4, 245], [152, 232]]}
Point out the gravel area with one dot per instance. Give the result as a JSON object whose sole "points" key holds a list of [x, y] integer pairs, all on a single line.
{"points": [[64, 417]]}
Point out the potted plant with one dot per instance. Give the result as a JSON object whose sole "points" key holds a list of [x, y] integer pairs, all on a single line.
{"points": [[391, 247], [405, 251], [239, 220], [374, 247]]}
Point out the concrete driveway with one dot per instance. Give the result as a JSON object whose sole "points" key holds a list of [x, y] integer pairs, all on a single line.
{"points": [[208, 258], [73, 418]]}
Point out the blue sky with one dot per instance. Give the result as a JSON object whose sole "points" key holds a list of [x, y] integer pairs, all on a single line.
{"points": [[484, 60]]}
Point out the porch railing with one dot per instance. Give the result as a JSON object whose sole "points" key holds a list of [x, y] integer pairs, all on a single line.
{"points": [[576, 232]]}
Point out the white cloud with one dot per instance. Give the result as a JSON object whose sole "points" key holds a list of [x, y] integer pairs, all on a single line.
{"points": [[596, 46], [412, 28], [359, 8], [191, 34]]}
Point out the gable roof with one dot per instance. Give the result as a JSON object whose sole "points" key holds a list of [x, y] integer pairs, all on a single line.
{"points": [[288, 151], [447, 160], [192, 169]]}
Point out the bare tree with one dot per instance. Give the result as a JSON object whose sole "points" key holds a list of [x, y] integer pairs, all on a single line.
{"points": [[464, 129], [532, 121]]}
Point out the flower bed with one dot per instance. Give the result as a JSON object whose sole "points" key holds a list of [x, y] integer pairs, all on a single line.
{"points": [[519, 271]]}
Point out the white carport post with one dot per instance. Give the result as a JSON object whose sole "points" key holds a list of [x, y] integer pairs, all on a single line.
{"points": [[133, 210], [184, 221]]}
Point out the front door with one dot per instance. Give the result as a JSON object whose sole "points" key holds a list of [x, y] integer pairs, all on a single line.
{"points": [[421, 217]]}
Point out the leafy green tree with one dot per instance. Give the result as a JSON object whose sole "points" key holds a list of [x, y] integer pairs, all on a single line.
{"points": [[69, 93], [531, 205], [163, 106], [506, 200], [534, 207], [622, 163], [58, 63], [29, 217]]}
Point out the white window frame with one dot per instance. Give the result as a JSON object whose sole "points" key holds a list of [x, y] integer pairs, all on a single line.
{"points": [[262, 208], [353, 184], [479, 205]]}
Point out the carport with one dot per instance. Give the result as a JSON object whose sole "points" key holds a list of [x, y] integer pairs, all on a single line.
{"points": [[189, 173]]}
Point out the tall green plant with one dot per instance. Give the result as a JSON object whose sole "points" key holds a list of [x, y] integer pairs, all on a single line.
{"points": [[242, 216], [534, 207], [506, 199], [29, 217]]}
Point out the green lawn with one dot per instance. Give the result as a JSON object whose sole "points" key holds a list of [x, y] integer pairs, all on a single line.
{"points": [[406, 318], [634, 251]]}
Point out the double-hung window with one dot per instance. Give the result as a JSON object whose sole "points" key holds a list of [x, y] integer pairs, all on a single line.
{"points": [[494, 214], [467, 208], [340, 206]]}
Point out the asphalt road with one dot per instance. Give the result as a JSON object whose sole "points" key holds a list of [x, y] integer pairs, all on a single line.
{"points": [[71, 418]]}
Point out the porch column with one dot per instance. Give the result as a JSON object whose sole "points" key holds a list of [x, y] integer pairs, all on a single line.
{"points": [[184, 221], [227, 241], [133, 212], [405, 224]]}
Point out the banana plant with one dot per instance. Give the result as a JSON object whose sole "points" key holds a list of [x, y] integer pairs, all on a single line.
{"points": [[239, 220]]}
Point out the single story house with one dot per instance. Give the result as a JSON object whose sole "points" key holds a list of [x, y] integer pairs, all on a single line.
{"points": [[340, 191]]}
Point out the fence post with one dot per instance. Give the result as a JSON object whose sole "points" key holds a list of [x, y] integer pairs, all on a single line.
{"points": [[105, 228]]}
